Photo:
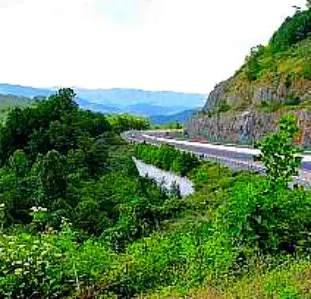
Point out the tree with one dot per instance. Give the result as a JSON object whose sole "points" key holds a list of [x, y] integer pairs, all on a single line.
{"points": [[279, 153], [253, 67], [309, 4], [53, 179], [19, 163]]}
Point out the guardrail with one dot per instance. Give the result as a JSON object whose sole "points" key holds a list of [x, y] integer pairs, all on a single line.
{"points": [[222, 160]]}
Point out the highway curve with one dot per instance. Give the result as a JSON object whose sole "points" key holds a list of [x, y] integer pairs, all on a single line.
{"points": [[235, 157]]}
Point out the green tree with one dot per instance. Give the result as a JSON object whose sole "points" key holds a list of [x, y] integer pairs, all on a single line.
{"points": [[293, 30], [253, 67], [279, 153], [53, 179], [19, 163]]}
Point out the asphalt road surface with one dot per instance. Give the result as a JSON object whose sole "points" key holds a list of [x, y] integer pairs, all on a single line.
{"points": [[235, 157]]}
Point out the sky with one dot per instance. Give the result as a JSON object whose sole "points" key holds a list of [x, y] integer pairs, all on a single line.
{"points": [[177, 45]]}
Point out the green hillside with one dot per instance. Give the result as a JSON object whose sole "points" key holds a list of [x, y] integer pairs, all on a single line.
{"points": [[274, 79], [8, 102], [285, 63]]}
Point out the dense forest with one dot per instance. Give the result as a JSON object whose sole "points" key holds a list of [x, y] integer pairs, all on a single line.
{"points": [[77, 221]]}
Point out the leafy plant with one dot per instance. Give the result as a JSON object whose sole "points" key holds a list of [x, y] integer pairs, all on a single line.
{"points": [[279, 154]]}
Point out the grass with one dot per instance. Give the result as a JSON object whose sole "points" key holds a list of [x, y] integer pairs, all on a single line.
{"points": [[293, 280]]}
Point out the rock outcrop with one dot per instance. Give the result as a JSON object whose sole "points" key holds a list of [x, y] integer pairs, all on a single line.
{"points": [[245, 128], [270, 83]]}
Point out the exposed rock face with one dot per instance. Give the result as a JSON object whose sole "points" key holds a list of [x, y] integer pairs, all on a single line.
{"points": [[243, 123], [216, 96], [246, 128], [241, 94], [272, 78]]}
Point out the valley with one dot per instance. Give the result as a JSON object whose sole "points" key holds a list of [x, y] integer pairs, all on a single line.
{"points": [[131, 193]]}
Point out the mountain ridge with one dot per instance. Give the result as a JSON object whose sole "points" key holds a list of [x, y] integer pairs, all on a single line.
{"points": [[119, 100], [180, 117]]}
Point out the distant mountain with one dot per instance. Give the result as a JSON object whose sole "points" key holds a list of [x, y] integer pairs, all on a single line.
{"points": [[134, 101], [24, 91], [97, 107], [180, 117], [127, 97], [149, 109]]}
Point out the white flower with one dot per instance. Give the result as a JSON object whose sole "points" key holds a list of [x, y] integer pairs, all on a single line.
{"points": [[39, 209]]}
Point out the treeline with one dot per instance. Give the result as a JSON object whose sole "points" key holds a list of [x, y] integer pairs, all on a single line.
{"points": [[125, 122], [293, 30], [70, 161], [167, 157]]}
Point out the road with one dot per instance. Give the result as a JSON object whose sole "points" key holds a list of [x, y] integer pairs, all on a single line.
{"points": [[234, 157]]}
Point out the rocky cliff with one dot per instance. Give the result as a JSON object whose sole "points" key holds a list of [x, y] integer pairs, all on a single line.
{"points": [[274, 80], [245, 128]]}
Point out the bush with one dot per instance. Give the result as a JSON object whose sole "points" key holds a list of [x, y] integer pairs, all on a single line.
{"points": [[50, 264]]}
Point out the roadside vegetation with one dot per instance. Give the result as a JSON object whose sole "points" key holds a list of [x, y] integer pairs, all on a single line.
{"points": [[168, 126], [167, 157], [77, 221]]}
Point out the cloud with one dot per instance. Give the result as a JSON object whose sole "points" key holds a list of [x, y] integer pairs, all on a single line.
{"points": [[186, 45]]}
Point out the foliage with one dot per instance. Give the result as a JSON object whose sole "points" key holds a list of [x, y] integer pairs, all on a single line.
{"points": [[253, 67], [77, 221], [55, 123], [293, 30], [246, 223], [306, 70], [285, 58], [278, 152], [167, 158], [8, 102], [126, 122], [168, 126], [50, 264]]}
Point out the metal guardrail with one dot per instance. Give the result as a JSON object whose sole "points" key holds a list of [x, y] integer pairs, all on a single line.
{"points": [[235, 164]]}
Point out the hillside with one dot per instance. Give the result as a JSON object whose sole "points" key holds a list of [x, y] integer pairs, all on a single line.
{"points": [[8, 102], [180, 117], [273, 80]]}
